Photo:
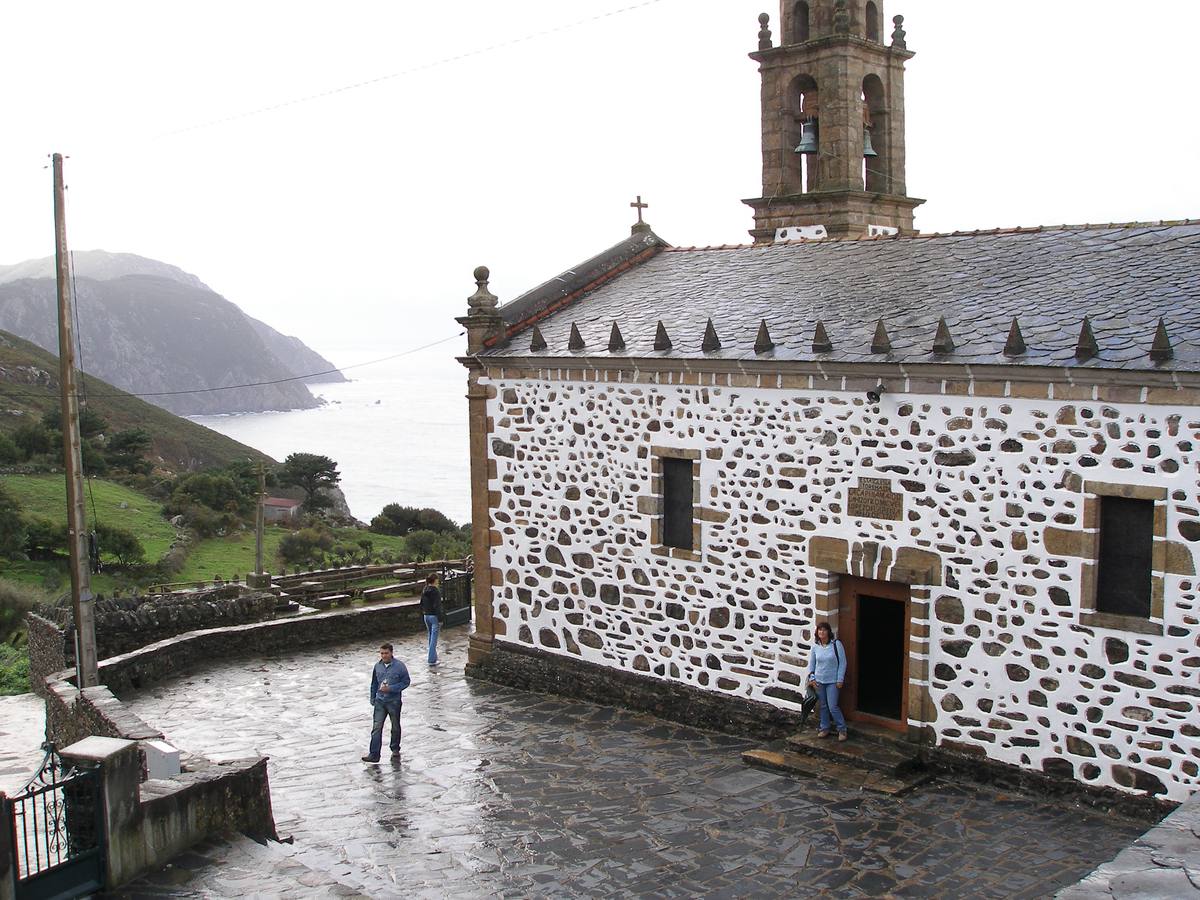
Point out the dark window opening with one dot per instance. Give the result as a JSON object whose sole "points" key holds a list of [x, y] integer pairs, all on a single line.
{"points": [[800, 23], [677, 503], [872, 22], [1126, 547]]}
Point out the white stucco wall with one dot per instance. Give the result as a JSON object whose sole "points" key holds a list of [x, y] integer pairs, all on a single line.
{"points": [[1012, 670]]}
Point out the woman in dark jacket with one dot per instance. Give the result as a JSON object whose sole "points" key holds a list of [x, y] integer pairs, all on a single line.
{"points": [[431, 609]]}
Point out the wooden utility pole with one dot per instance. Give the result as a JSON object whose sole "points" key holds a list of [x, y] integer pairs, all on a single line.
{"points": [[86, 671], [259, 520]]}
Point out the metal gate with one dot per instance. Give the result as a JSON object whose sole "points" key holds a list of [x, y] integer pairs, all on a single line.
{"points": [[456, 597], [57, 828]]}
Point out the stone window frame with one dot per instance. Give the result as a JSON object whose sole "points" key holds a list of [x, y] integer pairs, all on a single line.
{"points": [[655, 504], [1094, 491]]}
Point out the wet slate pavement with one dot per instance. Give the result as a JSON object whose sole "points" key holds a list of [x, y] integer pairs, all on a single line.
{"points": [[505, 793]]}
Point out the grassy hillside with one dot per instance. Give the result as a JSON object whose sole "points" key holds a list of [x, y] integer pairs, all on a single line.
{"points": [[106, 502], [29, 388], [234, 555]]}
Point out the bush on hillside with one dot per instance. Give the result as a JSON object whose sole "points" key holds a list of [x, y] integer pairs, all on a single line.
{"points": [[91, 423], [43, 536], [397, 519], [307, 546], [127, 449], [14, 670], [9, 453], [32, 439], [120, 544], [16, 600], [215, 490], [12, 525]]}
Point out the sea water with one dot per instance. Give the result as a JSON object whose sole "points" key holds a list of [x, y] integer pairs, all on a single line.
{"points": [[398, 432]]}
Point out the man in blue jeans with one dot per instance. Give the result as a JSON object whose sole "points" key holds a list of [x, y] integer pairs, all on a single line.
{"points": [[389, 678], [431, 609]]}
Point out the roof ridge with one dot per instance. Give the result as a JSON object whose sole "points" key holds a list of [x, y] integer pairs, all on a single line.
{"points": [[966, 232]]}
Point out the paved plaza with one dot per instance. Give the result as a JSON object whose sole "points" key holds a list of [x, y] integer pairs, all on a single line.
{"points": [[504, 793]]}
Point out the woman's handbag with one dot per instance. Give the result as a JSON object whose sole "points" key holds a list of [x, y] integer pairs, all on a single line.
{"points": [[808, 705]]}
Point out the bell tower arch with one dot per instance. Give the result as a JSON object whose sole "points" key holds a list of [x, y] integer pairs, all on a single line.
{"points": [[832, 121]]}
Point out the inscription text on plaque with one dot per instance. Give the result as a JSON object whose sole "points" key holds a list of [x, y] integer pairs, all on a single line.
{"points": [[874, 499]]}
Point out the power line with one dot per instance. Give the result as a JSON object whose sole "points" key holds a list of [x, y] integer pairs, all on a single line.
{"points": [[424, 67], [252, 384]]}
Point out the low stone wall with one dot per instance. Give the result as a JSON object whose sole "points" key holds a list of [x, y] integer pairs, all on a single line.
{"points": [[47, 649], [534, 670], [207, 798]]}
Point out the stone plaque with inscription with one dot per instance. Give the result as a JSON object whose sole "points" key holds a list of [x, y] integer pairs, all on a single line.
{"points": [[874, 499]]}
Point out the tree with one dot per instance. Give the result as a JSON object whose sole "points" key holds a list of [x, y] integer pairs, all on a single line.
{"points": [[216, 490], [32, 438], [397, 519], [45, 536], [310, 472], [8, 450], [90, 423], [420, 543], [127, 448], [305, 546], [12, 526], [120, 543]]}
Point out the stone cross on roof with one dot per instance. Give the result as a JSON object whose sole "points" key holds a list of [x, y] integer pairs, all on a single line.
{"points": [[641, 223]]}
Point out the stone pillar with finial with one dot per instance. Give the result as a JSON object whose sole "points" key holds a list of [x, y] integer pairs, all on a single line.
{"points": [[482, 322]]}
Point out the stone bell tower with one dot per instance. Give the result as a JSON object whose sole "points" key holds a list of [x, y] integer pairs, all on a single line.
{"points": [[832, 123]]}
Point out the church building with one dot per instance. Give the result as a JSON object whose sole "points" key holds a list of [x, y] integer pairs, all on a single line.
{"points": [[974, 454]]}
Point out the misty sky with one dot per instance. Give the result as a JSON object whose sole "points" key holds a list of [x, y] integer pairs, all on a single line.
{"points": [[354, 220]]}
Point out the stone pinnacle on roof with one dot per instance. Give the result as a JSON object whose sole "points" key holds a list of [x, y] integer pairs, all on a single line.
{"points": [[1015, 345], [711, 341], [1161, 350], [881, 343], [1087, 346], [662, 340], [640, 226], [942, 341], [575, 341], [821, 342], [615, 341], [899, 36], [763, 342], [537, 342], [483, 300]]}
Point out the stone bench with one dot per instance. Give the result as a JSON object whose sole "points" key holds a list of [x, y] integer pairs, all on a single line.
{"points": [[387, 590]]}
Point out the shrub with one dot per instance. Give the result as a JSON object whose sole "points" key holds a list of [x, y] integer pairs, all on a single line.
{"points": [[9, 453], [420, 543], [45, 536], [12, 525], [120, 544], [397, 519], [31, 439], [14, 670], [308, 545], [16, 600]]}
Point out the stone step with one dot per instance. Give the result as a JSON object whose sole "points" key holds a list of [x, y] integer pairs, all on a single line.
{"points": [[788, 762], [867, 751]]}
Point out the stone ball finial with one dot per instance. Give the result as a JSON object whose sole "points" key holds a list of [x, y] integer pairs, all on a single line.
{"points": [[483, 300], [899, 34], [764, 31]]}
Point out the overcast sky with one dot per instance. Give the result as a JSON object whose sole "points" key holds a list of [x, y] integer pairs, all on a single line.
{"points": [[354, 220]]}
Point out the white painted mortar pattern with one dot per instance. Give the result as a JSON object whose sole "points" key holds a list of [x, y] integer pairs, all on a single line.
{"points": [[1012, 671]]}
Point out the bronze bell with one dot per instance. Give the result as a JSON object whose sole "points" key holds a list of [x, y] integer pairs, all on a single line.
{"points": [[808, 138], [868, 150]]}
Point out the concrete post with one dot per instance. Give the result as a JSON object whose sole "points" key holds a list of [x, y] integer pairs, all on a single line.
{"points": [[8, 863], [120, 768]]}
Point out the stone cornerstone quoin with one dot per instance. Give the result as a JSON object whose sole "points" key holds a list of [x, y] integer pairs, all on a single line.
{"points": [[975, 455]]}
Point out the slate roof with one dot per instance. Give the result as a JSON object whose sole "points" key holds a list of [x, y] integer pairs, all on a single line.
{"points": [[1123, 277]]}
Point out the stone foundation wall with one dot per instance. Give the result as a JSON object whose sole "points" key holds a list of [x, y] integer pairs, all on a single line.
{"points": [[993, 494]]}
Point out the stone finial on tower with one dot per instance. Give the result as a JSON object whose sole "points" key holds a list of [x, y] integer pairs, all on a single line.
{"points": [[1161, 350], [899, 34], [841, 18], [764, 32], [482, 321]]}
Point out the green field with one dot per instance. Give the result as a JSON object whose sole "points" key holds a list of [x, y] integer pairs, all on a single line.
{"points": [[234, 555], [45, 495]]}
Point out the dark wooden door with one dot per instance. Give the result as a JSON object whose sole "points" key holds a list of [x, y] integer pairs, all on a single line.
{"points": [[873, 618]]}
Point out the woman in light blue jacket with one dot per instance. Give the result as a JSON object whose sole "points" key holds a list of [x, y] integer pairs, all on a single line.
{"points": [[827, 674]]}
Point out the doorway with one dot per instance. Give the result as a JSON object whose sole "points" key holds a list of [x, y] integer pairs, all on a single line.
{"points": [[873, 621]]}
